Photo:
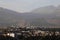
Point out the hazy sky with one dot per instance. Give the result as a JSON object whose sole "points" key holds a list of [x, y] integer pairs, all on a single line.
{"points": [[26, 5]]}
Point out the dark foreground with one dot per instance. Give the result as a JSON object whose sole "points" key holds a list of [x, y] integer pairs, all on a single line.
{"points": [[30, 38]]}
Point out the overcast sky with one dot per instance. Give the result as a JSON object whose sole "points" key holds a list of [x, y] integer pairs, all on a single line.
{"points": [[26, 5]]}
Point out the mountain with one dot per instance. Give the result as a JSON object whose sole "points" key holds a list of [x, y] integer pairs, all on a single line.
{"points": [[51, 14], [48, 10], [43, 16], [8, 16]]}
